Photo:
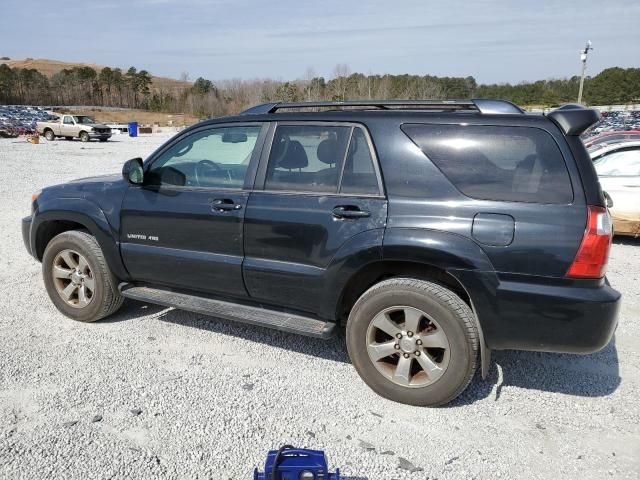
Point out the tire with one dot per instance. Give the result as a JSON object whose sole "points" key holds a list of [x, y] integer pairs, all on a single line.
{"points": [[443, 323], [62, 252], [84, 137], [68, 138], [49, 135]]}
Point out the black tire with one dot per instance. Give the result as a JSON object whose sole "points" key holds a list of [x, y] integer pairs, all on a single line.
{"points": [[49, 135], [453, 316], [84, 137], [106, 298], [68, 138]]}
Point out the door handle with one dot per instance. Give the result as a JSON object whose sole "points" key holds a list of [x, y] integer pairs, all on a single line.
{"points": [[350, 211], [224, 205]]}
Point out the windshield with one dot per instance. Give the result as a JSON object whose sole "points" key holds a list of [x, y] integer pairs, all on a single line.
{"points": [[84, 120]]}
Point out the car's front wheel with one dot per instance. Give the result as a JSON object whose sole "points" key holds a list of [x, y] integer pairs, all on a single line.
{"points": [[413, 341], [84, 137], [77, 278]]}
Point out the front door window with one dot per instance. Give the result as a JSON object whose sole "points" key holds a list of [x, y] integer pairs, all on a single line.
{"points": [[214, 158]]}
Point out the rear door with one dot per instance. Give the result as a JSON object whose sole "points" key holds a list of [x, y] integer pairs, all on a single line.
{"points": [[318, 186], [184, 227]]}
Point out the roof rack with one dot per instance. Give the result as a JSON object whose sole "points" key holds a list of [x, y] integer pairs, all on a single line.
{"points": [[479, 104]]}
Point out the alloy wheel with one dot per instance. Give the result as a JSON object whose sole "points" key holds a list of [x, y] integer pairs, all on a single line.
{"points": [[407, 346], [73, 278]]}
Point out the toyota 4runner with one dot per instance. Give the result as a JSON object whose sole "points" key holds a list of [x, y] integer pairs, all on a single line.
{"points": [[434, 231]]}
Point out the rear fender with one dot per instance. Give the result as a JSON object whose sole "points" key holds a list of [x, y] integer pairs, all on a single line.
{"points": [[458, 256], [356, 253]]}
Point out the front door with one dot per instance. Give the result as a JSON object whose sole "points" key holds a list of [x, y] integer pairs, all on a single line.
{"points": [[319, 188], [68, 127], [184, 227]]}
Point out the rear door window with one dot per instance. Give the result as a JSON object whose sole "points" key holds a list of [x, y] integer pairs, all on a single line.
{"points": [[518, 164], [307, 158], [359, 175]]}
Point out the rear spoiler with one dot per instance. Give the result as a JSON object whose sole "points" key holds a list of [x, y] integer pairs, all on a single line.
{"points": [[574, 119]]}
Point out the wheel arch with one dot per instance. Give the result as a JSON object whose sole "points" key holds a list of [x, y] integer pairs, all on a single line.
{"points": [[76, 214], [381, 270], [49, 229], [376, 272], [425, 255]]}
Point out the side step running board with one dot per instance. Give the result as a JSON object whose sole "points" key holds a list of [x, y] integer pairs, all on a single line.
{"points": [[287, 322]]}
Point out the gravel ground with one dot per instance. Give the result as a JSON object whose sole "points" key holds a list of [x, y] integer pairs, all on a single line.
{"points": [[160, 393]]}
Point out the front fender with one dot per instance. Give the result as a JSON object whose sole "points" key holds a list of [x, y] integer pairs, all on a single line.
{"points": [[87, 214]]}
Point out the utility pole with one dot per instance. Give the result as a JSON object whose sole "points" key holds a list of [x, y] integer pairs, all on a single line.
{"points": [[583, 59]]}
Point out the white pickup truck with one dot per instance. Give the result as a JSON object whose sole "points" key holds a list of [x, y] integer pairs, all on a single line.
{"points": [[74, 126]]}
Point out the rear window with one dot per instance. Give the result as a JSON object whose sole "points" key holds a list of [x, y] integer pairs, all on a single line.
{"points": [[516, 164]]}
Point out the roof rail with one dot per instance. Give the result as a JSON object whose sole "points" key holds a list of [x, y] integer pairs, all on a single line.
{"points": [[481, 105]]}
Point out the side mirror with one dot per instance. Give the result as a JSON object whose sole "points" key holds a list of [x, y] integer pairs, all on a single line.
{"points": [[608, 199], [133, 172]]}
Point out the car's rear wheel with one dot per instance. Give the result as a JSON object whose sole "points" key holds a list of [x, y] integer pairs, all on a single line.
{"points": [[49, 135], [84, 136], [77, 278], [413, 341]]}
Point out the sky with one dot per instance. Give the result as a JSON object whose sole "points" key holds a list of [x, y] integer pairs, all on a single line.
{"points": [[494, 41]]}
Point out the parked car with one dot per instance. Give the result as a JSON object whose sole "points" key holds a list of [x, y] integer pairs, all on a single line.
{"points": [[434, 232], [74, 126], [20, 120], [618, 167], [608, 138], [616, 120]]}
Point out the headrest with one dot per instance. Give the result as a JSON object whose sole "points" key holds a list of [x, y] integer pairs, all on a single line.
{"points": [[294, 157], [328, 151]]}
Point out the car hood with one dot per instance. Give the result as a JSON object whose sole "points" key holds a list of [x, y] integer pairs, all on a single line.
{"points": [[81, 187], [108, 178]]}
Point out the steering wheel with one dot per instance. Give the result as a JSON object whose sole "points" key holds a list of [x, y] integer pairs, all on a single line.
{"points": [[202, 167]]}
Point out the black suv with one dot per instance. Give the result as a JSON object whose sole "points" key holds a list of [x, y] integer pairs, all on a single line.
{"points": [[434, 231]]}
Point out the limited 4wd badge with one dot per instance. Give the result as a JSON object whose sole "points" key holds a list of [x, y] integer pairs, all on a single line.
{"points": [[141, 236]]}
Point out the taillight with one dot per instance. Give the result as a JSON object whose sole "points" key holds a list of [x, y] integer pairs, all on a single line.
{"points": [[593, 254]]}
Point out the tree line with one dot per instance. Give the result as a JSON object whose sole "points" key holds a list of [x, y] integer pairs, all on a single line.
{"points": [[135, 89]]}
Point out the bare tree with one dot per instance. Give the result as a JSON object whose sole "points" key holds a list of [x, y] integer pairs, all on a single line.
{"points": [[309, 75], [341, 73]]}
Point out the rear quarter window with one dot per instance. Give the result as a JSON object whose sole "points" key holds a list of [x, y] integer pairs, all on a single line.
{"points": [[515, 164]]}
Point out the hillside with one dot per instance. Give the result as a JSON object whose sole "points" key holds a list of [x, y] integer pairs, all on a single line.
{"points": [[51, 67]]}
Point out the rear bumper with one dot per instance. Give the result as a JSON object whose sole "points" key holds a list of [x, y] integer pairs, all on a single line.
{"points": [[26, 234], [547, 317]]}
